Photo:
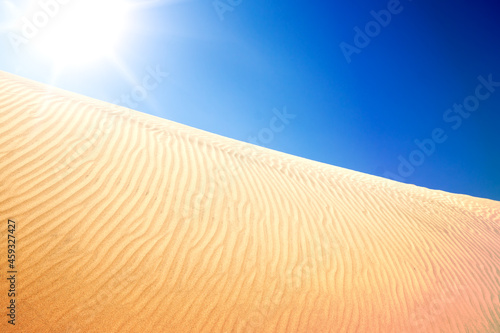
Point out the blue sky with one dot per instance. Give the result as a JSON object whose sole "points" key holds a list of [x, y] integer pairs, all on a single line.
{"points": [[232, 72]]}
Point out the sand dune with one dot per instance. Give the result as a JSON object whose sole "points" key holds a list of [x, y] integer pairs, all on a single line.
{"points": [[126, 222]]}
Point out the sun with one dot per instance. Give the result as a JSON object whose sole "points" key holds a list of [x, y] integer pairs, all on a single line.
{"points": [[84, 31]]}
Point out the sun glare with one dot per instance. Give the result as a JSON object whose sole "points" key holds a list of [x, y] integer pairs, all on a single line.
{"points": [[84, 31]]}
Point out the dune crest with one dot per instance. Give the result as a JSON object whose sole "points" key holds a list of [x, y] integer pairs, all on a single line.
{"points": [[126, 222]]}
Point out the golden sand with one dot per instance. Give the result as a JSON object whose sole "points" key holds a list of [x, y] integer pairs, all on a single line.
{"points": [[126, 222]]}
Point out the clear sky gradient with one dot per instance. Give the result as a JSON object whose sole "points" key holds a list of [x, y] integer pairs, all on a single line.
{"points": [[354, 84]]}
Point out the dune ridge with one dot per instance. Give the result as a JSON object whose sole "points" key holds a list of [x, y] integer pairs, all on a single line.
{"points": [[132, 223]]}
